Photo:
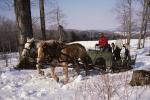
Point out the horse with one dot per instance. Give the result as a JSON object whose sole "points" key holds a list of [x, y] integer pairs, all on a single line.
{"points": [[76, 54], [58, 53], [28, 55], [64, 54]]}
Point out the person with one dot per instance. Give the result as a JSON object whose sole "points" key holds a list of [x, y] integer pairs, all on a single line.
{"points": [[103, 42], [113, 49], [109, 48], [118, 47], [116, 53], [127, 51], [113, 46], [119, 43]]}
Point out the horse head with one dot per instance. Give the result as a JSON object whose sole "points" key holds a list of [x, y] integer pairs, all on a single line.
{"points": [[28, 47]]}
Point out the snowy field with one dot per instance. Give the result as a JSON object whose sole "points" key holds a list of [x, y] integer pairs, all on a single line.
{"points": [[28, 85]]}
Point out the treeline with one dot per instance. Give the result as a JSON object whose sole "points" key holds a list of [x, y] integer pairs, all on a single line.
{"points": [[78, 35], [9, 35]]}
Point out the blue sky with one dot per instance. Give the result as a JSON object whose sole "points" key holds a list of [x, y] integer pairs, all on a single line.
{"points": [[82, 14], [90, 14]]}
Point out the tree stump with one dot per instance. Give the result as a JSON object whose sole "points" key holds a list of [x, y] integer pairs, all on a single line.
{"points": [[140, 78]]}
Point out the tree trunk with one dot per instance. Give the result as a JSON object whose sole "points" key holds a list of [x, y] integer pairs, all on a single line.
{"points": [[139, 40], [146, 15], [143, 25], [129, 22], [144, 35], [141, 30], [24, 22], [42, 18], [61, 33]]}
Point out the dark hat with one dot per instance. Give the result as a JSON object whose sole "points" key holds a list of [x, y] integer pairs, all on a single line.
{"points": [[101, 34]]}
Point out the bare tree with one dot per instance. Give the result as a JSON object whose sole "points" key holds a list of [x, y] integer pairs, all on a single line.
{"points": [[145, 18], [147, 12], [129, 2], [124, 12], [57, 19], [42, 18], [24, 22]]}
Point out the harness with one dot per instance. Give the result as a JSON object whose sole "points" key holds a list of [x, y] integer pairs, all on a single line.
{"points": [[57, 54]]}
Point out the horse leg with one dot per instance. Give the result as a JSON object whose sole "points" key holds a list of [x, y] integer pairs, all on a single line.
{"points": [[53, 74], [65, 68], [39, 69], [38, 66], [77, 68], [39, 59]]}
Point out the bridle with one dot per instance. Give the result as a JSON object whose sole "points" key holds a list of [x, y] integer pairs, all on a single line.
{"points": [[28, 51]]}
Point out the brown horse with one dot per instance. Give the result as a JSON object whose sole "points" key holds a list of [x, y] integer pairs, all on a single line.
{"points": [[63, 54], [75, 54]]}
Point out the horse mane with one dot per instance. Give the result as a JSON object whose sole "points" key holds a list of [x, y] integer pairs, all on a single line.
{"points": [[43, 43], [50, 48]]}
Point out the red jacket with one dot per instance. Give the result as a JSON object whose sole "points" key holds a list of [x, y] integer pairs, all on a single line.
{"points": [[103, 42]]}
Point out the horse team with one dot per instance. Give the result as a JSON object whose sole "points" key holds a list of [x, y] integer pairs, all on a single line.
{"points": [[58, 53]]}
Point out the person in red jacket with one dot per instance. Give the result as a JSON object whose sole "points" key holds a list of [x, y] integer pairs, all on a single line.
{"points": [[103, 42]]}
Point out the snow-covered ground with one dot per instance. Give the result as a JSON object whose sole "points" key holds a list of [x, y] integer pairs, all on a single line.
{"points": [[28, 85]]}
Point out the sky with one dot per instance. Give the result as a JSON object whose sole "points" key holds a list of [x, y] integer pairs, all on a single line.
{"points": [[90, 14], [81, 14]]}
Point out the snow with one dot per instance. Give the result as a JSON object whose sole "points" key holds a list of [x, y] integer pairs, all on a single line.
{"points": [[28, 85]]}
